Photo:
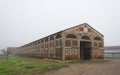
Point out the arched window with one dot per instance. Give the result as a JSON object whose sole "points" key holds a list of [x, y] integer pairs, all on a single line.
{"points": [[51, 38], [47, 45], [60, 42], [50, 44], [43, 45], [97, 38], [71, 36], [42, 41], [56, 42], [67, 43], [38, 41], [74, 43], [46, 39], [35, 42], [85, 38], [58, 36]]}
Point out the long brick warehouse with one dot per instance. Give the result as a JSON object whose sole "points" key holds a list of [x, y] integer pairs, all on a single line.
{"points": [[75, 43]]}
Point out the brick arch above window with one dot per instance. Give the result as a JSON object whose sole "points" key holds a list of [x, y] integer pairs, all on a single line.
{"points": [[46, 39], [58, 36], [85, 38], [51, 38], [97, 38], [71, 36]]}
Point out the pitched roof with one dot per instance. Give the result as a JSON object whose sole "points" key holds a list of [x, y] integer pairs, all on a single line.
{"points": [[84, 24], [67, 29]]}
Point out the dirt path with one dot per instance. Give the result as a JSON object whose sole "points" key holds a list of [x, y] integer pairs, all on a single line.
{"points": [[107, 68]]}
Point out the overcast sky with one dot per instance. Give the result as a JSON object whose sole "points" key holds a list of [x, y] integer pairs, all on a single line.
{"points": [[23, 21]]}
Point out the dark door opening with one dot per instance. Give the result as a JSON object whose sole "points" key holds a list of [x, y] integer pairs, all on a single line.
{"points": [[85, 50]]}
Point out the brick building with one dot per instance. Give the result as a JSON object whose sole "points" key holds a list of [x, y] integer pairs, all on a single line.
{"points": [[78, 42]]}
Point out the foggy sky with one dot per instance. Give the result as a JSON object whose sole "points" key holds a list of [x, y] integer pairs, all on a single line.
{"points": [[23, 21]]}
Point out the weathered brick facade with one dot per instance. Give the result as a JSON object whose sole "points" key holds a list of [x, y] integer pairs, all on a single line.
{"points": [[79, 42]]}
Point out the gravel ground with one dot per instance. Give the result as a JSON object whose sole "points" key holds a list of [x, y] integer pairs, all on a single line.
{"points": [[111, 67]]}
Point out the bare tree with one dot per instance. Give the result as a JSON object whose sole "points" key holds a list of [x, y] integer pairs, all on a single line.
{"points": [[5, 52], [0, 54]]}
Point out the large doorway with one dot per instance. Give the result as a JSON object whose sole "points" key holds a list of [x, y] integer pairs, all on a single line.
{"points": [[85, 50]]}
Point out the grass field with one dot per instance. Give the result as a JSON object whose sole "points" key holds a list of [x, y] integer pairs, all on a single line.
{"points": [[27, 65], [16, 65]]}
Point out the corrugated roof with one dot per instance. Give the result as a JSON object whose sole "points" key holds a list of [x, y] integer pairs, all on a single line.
{"points": [[112, 47]]}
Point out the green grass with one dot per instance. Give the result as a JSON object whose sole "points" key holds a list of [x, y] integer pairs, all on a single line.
{"points": [[27, 65], [16, 65]]}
